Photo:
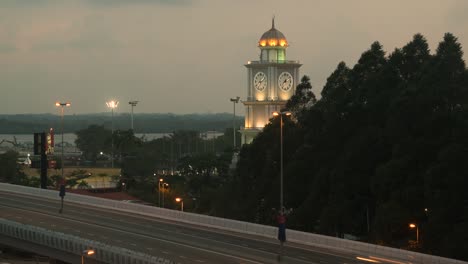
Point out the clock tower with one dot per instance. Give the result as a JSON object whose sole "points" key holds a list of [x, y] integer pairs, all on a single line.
{"points": [[271, 81]]}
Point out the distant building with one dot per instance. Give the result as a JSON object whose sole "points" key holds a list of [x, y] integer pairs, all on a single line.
{"points": [[271, 81]]}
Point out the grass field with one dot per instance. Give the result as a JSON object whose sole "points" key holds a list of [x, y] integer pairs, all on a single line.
{"points": [[95, 172], [94, 177]]}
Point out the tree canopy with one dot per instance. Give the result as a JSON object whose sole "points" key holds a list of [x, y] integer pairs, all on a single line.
{"points": [[383, 147]]}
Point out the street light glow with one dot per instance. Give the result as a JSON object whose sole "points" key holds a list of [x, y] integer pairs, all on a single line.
{"points": [[62, 104], [412, 225], [179, 200], [89, 252], [112, 104], [286, 113]]}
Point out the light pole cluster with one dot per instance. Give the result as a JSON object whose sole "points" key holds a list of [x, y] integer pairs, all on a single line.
{"points": [[234, 102], [112, 104]]}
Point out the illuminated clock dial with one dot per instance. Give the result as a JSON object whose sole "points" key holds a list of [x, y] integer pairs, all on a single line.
{"points": [[260, 81], [285, 81]]}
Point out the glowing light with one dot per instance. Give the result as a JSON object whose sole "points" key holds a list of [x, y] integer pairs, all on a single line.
{"points": [[112, 104], [286, 113], [178, 199], [272, 42], [89, 252], [282, 43], [263, 43], [368, 260], [62, 104], [412, 225]]}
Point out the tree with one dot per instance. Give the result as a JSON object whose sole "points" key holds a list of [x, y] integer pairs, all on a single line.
{"points": [[303, 97], [93, 140], [10, 170], [386, 141]]}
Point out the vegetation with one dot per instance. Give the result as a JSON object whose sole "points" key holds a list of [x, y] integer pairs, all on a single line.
{"points": [[383, 147]]}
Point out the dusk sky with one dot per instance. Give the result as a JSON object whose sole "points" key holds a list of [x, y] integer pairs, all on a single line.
{"points": [[188, 56]]}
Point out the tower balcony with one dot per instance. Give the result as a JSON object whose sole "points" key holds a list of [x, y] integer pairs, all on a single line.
{"points": [[273, 62]]}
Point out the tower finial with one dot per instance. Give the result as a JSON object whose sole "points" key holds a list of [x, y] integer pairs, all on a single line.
{"points": [[273, 22]]}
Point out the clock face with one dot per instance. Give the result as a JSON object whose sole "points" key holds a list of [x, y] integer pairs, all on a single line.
{"points": [[260, 81], [285, 81]]}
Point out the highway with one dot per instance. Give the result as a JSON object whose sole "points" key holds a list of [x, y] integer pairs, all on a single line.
{"points": [[179, 242]]}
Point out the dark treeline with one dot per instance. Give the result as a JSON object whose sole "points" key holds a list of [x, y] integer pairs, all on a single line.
{"points": [[385, 146], [143, 123]]}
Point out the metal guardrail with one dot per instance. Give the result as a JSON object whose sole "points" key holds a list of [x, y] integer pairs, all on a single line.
{"points": [[299, 237], [76, 245]]}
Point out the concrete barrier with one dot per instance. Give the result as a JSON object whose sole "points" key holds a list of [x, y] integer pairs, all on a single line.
{"points": [[76, 245], [299, 237]]}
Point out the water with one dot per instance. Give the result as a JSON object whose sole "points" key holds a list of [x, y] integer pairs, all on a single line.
{"points": [[69, 138]]}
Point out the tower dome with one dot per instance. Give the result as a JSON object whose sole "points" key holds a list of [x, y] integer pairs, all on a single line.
{"points": [[273, 38]]}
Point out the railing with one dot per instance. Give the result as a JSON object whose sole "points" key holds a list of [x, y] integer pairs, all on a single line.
{"points": [[273, 61], [76, 245], [299, 237]]}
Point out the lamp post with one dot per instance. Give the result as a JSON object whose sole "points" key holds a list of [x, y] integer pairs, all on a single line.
{"points": [[281, 114], [164, 185], [234, 102], [417, 231], [159, 191], [133, 104], [87, 253], [62, 180], [112, 104], [62, 106], [281, 216], [179, 200]]}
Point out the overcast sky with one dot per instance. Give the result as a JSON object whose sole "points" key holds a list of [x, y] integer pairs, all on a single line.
{"points": [[188, 56]]}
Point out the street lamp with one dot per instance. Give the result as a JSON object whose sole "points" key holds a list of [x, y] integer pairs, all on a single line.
{"points": [[411, 225], [62, 106], [179, 200], [132, 103], [112, 104], [164, 185], [281, 114], [159, 190], [87, 253], [234, 102], [62, 180]]}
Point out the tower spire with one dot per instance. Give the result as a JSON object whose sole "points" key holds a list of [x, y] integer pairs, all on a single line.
{"points": [[273, 22]]}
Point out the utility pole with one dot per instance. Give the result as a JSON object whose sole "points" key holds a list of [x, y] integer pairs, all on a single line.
{"points": [[133, 104], [234, 102]]}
